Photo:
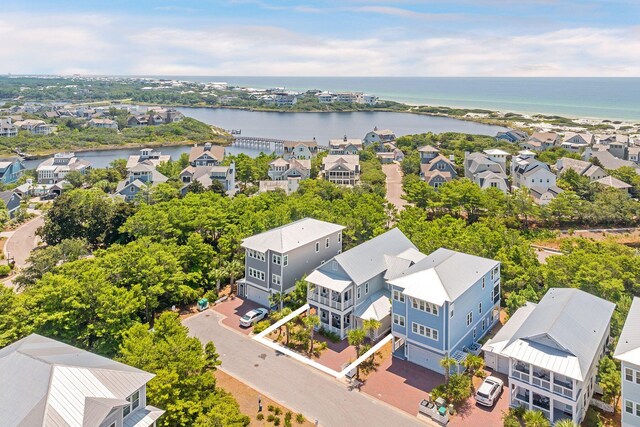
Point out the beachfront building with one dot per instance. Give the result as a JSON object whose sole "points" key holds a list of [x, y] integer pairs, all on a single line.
{"points": [[301, 150], [277, 258], [345, 146], [281, 169], [487, 169], [11, 169], [341, 169], [582, 168], [55, 169], [628, 353], [443, 305], [551, 352], [352, 287], [527, 172], [206, 155], [378, 137], [48, 383], [8, 128]]}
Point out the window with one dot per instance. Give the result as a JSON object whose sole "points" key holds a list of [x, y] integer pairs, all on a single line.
{"points": [[276, 259], [398, 320], [451, 310], [475, 333], [495, 274], [628, 407], [275, 279], [483, 325], [628, 374], [398, 296], [135, 400], [255, 254], [366, 288], [469, 318], [358, 292], [638, 409], [424, 306], [424, 331], [256, 274], [326, 243], [285, 260], [482, 282], [479, 308], [317, 246], [339, 237]]}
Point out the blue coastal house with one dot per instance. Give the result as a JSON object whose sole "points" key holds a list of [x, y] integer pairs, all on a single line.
{"points": [[513, 136], [11, 169], [442, 306], [628, 353]]}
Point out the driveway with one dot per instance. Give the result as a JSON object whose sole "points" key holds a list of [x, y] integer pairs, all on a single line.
{"points": [[22, 241], [292, 384], [394, 184], [233, 310], [473, 415]]}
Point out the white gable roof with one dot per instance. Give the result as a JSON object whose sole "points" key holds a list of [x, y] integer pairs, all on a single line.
{"points": [[291, 236]]}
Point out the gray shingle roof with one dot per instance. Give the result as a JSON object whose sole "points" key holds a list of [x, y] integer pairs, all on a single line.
{"points": [[628, 348], [291, 236]]}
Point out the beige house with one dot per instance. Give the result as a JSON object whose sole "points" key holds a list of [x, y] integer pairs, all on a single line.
{"points": [[341, 169]]}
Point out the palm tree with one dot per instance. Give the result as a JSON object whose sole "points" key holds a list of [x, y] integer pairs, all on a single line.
{"points": [[447, 363], [473, 363], [233, 268], [285, 312], [535, 419], [356, 338], [566, 423], [311, 322], [371, 325]]}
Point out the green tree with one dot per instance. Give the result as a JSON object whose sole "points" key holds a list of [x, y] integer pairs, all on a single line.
{"points": [[535, 419], [371, 326], [356, 338], [183, 384], [610, 380], [473, 364], [565, 423], [447, 363], [311, 322]]}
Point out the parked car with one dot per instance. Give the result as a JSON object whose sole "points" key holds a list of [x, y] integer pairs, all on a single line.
{"points": [[253, 317], [489, 391]]}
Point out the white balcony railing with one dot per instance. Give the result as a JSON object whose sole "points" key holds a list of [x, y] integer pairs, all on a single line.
{"points": [[520, 375]]}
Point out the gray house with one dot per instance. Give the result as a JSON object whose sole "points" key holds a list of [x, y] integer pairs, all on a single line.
{"points": [[352, 287], [551, 352], [12, 201], [276, 259], [49, 383], [628, 352]]}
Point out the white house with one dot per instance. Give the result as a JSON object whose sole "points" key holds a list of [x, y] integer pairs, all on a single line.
{"points": [[527, 172], [551, 352], [341, 170]]}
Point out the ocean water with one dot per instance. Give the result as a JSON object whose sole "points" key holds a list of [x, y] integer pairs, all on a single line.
{"points": [[604, 98]]}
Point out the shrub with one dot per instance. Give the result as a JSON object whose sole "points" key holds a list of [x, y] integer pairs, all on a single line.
{"points": [[331, 336], [271, 408], [288, 416], [261, 326], [518, 412], [270, 418], [457, 390], [211, 295], [260, 417], [276, 421], [299, 418], [4, 270], [277, 410]]}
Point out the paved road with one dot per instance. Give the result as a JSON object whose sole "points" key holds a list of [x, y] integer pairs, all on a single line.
{"points": [[22, 241], [394, 184], [299, 387]]}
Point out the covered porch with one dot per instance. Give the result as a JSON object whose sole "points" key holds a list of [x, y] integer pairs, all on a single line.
{"points": [[376, 307]]}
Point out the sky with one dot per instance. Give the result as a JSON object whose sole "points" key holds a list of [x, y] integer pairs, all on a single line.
{"points": [[519, 38]]}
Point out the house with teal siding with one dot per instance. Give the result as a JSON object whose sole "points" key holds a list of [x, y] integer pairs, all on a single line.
{"points": [[442, 307], [11, 169]]}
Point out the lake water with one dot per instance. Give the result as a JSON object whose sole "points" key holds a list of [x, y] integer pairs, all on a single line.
{"points": [[298, 126], [606, 98]]}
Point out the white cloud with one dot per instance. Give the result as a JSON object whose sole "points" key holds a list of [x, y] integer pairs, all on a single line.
{"points": [[110, 45]]}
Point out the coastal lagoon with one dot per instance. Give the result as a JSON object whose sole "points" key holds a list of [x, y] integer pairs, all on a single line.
{"points": [[298, 126]]}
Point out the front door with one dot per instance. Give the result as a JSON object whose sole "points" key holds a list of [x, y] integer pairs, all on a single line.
{"points": [[241, 290]]}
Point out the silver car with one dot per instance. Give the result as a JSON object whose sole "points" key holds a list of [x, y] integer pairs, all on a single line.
{"points": [[253, 317], [489, 391]]}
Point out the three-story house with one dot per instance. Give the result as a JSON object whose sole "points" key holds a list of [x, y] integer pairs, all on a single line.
{"points": [[628, 353]]}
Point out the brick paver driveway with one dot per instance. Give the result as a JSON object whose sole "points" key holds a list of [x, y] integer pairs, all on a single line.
{"points": [[337, 354], [401, 384], [474, 415], [233, 310]]}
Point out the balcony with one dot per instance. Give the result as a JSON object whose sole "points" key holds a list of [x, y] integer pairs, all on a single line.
{"points": [[330, 301], [541, 378], [520, 371], [542, 404]]}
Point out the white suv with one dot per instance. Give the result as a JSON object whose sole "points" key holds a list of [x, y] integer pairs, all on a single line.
{"points": [[489, 391]]}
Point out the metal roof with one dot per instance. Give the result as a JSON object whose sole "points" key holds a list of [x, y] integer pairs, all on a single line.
{"points": [[628, 348], [46, 382], [377, 306], [291, 236], [563, 333], [502, 337], [443, 276]]}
